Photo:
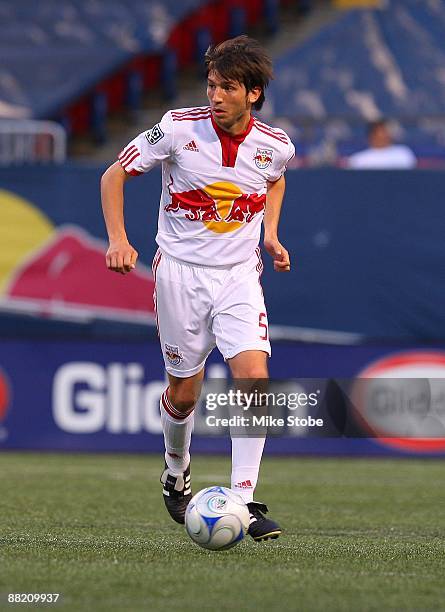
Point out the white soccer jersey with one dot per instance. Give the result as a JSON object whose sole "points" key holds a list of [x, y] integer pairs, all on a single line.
{"points": [[213, 184]]}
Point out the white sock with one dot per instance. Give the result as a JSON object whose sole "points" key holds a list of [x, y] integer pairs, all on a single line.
{"points": [[246, 459], [177, 435]]}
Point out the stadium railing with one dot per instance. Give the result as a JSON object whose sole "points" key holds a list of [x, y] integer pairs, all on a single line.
{"points": [[31, 141]]}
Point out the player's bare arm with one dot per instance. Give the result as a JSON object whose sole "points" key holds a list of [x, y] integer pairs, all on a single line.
{"points": [[274, 200], [121, 256]]}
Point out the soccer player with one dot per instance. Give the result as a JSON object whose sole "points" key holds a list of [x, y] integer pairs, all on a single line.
{"points": [[222, 176]]}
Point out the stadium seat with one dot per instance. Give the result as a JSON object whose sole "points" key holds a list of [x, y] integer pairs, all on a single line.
{"points": [[77, 61], [368, 63]]}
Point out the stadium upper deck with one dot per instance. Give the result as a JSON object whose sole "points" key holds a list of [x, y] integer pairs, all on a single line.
{"points": [[368, 63], [76, 60], [53, 51]]}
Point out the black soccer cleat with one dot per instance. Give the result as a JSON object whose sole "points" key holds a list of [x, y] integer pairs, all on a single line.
{"points": [[261, 528], [177, 492]]}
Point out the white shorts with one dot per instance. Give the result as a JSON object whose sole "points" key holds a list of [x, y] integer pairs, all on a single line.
{"points": [[200, 307]]}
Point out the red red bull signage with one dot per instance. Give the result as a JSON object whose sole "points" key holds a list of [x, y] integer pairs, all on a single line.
{"points": [[59, 271], [67, 276]]}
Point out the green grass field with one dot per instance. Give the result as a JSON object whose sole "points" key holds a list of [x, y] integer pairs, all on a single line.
{"points": [[360, 535]]}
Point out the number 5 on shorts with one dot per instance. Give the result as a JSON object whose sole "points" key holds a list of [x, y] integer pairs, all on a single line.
{"points": [[263, 324]]}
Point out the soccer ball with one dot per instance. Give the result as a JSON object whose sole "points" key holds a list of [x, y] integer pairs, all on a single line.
{"points": [[217, 518]]}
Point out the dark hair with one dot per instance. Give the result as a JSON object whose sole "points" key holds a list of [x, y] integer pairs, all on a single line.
{"points": [[241, 59], [372, 126]]}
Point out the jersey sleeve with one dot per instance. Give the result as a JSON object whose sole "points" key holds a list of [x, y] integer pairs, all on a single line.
{"points": [[148, 148], [279, 168]]}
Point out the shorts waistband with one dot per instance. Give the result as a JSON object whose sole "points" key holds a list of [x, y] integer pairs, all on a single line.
{"points": [[195, 265]]}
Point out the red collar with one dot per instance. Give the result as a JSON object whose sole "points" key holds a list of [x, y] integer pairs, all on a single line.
{"points": [[238, 137]]}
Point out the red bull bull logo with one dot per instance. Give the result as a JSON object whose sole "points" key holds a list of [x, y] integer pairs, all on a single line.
{"points": [[246, 207], [173, 354], [198, 206], [222, 207], [263, 158]]}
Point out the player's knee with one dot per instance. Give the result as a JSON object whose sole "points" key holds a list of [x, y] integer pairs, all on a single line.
{"points": [[185, 406], [183, 401]]}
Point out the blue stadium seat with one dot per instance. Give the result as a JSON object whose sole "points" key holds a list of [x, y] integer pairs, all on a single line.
{"points": [[369, 63], [53, 51]]}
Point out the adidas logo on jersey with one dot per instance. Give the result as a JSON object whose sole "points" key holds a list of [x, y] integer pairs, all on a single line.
{"points": [[191, 146]]}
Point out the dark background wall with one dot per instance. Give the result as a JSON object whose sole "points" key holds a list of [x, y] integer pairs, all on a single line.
{"points": [[368, 248]]}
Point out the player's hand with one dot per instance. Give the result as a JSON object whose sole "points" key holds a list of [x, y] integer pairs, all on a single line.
{"points": [[281, 260], [121, 257]]}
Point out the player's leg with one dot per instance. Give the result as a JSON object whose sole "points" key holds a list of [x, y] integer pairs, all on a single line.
{"points": [[177, 407], [183, 307], [241, 330], [250, 367]]}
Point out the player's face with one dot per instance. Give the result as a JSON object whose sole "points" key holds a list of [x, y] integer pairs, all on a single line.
{"points": [[230, 102]]}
